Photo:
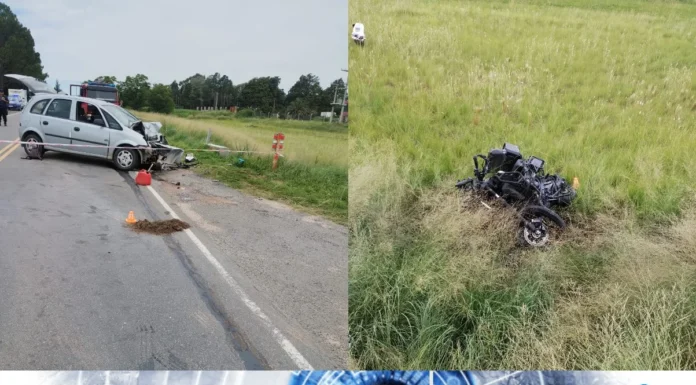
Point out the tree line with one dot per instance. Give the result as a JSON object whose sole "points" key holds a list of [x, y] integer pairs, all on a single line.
{"points": [[261, 94]]}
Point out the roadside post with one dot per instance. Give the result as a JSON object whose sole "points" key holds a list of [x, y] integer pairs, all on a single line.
{"points": [[278, 140]]}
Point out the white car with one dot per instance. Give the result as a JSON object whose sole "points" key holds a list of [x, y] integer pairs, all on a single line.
{"points": [[92, 127]]}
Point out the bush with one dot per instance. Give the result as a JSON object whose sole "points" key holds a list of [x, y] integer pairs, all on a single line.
{"points": [[245, 113]]}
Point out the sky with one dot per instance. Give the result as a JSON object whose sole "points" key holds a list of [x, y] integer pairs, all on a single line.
{"points": [[80, 40]]}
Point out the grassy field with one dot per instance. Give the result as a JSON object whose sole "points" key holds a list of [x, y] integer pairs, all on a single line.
{"points": [[602, 90], [313, 175], [305, 142]]}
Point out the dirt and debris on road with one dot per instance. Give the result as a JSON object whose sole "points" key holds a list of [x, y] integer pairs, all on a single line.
{"points": [[301, 259], [159, 227]]}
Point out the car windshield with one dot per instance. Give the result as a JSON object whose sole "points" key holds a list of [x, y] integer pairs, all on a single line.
{"points": [[101, 94], [124, 117]]}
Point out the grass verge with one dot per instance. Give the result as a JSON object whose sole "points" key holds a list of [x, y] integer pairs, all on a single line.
{"points": [[601, 90]]}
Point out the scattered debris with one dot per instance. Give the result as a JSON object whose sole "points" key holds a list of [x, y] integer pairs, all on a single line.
{"points": [[222, 150], [189, 158], [358, 34], [143, 178], [164, 227]]}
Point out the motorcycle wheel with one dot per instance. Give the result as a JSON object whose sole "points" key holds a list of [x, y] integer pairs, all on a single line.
{"points": [[535, 221]]}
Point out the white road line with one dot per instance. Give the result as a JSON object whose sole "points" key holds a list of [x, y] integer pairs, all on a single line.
{"points": [[287, 346]]}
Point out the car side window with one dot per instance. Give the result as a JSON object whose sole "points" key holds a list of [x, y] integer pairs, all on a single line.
{"points": [[89, 113], [38, 107], [59, 108], [112, 123]]}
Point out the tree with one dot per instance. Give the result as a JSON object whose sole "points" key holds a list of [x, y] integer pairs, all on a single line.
{"points": [[263, 94], [57, 87], [17, 52], [336, 89], [174, 87], [299, 107], [309, 90], [191, 92], [107, 79], [160, 99], [134, 91]]}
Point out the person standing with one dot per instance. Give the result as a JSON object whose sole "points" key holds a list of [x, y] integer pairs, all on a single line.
{"points": [[4, 104]]}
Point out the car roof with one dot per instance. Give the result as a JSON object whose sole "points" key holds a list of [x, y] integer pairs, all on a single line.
{"points": [[98, 102]]}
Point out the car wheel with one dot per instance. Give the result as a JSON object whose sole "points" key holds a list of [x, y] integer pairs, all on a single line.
{"points": [[126, 158], [32, 139]]}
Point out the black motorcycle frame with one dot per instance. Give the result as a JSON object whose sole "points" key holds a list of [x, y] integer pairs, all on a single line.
{"points": [[523, 184]]}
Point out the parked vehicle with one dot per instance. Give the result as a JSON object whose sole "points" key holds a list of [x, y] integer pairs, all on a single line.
{"points": [[523, 184], [17, 99], [97, 90]]}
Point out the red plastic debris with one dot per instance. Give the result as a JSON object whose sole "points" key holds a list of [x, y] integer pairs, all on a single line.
{"points": [[143, 178]]}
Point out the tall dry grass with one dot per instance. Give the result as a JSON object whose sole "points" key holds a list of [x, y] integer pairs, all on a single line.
{"points": [[603, 90]]}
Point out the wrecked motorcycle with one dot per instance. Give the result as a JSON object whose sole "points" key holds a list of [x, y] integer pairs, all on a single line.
{"points": [[523, 184]]}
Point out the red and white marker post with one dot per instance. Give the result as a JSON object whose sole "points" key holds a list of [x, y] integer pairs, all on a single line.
{"points": [[278, 140]]}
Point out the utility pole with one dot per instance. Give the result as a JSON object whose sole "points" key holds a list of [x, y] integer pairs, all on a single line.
{"points": [[345, 95], [333, 105], [343, 104], [216, 100]]}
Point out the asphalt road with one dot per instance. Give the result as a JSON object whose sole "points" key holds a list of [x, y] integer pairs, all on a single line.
{"points": [[253, 285]]}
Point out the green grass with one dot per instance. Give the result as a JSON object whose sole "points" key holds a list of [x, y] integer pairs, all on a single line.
{"points": [[314, 182], [310, 143], [602, 90], [317, 125]]}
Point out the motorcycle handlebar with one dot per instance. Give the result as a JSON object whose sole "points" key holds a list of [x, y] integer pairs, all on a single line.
{"points": [[481, 173]]}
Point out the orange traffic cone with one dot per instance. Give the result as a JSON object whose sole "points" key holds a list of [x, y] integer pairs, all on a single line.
{"points": [[576, 183], [131, 218]]}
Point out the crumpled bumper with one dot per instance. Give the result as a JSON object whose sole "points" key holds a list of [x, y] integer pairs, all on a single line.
{"points": [[163, 154]]}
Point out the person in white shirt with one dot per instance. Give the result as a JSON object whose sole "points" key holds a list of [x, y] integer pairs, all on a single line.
{"points": [[359, 34]]}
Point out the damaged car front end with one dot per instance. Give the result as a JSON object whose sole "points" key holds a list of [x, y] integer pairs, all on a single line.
{"points": [[158, 154], [155, 152]]}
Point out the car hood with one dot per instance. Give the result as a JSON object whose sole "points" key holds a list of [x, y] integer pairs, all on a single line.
{"points": [[152, 128]]}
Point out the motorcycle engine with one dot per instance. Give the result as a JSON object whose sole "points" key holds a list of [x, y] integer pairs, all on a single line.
{"points": [[558, 191]]}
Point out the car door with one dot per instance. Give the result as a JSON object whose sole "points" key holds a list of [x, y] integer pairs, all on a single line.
{"points": [[56, 123], [91, 131]]}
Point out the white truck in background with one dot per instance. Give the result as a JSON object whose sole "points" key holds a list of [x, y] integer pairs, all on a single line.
{"points": [[17, 99]]}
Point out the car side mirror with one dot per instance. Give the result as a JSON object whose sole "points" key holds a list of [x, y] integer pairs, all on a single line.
{"points": [[99, 122]]}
